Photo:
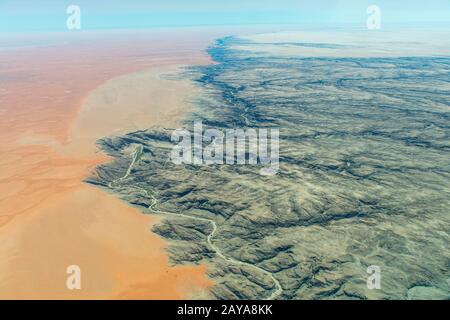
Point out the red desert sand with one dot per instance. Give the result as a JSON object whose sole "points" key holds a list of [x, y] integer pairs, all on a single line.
{"points": [[57, 97]]}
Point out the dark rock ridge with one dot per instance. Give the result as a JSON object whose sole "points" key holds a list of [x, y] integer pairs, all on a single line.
{"points": [[364, 176]]}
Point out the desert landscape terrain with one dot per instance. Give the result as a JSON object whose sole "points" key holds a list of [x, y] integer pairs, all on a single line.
{"points": [[58, 96]]}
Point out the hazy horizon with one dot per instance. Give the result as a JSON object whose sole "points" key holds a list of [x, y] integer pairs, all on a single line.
{"points": [[26, 15]]}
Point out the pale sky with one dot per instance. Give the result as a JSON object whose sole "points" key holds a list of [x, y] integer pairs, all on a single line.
{"points": [[38, 15]]}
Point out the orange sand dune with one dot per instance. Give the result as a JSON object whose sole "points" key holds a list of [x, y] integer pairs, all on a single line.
{"points": [[49, 218]]}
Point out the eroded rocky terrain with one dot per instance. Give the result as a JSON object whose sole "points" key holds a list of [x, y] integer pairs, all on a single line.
{"points": [[364, 177]]}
